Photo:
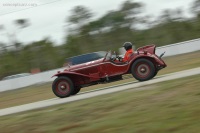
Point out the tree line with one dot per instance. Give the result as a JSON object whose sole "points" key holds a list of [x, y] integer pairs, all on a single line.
{"points": [[108, 32]]}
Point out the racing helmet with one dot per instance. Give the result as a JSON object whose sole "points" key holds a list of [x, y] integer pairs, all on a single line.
{"points": [[127, 45]]}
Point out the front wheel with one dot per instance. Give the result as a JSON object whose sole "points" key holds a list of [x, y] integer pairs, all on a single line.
{"points": [[143, 69], [76, 90], [62, 87]]}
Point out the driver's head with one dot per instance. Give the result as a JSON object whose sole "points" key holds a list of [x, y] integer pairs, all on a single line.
{"points": [[127, 45]]}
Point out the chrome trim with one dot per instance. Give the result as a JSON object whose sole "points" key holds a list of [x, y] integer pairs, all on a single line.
{"points": [[96, 65]]}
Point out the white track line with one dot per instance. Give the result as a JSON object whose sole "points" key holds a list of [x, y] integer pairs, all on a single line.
{"points": [[112, 89]]}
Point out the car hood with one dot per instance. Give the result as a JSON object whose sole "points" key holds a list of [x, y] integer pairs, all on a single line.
{"points": [[83, 65]]}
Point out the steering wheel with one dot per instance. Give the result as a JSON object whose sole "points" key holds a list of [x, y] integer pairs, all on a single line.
{"points": [[113, 58], [119, 58]]}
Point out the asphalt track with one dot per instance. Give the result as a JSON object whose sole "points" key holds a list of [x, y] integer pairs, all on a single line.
{"points": [[130, 85]]}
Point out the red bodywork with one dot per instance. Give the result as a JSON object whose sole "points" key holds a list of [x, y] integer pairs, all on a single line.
{"points": [[104, 68]]}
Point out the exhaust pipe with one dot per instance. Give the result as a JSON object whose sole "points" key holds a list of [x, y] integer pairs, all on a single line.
{"points": [[162, 55]]}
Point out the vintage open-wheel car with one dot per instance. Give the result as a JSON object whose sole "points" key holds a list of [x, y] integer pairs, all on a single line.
{"points": [[100, 67]]}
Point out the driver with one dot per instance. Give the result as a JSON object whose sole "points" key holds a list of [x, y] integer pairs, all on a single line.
{"points": [[129, 51]]}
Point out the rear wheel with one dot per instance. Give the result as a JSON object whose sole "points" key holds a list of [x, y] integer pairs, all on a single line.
{"points": [[62, 87], [143, 70]]}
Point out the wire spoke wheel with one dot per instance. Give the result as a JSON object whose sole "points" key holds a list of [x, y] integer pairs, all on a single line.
{"points": [[143, 69], [62, 87]]}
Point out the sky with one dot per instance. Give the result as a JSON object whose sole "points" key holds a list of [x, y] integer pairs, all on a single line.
{"points": [[48, 17]]}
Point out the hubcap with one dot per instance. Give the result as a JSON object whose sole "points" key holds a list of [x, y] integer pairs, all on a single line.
{"points": [[142, 70], [63, 87]]}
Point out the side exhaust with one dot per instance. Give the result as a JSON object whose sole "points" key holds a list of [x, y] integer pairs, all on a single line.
{"points": [[161, 55]]}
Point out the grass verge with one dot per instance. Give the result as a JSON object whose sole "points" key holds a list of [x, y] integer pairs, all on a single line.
{"points": [[171, 106]]}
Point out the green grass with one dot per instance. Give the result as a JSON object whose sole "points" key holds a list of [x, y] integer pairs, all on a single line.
{"points": [[43, 92], [167, 107], [181, 62]]}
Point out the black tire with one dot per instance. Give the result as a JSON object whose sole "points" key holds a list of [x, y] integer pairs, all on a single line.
{"points": [[62, 87], [76, 90], [156, 72], [143, 69]]}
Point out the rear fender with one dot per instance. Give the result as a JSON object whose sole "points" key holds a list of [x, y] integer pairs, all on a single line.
{"points": [[77, 78], [149, 52], [153, 58], [149, 48]]}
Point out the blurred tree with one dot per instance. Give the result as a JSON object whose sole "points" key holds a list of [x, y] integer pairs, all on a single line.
{"points": [[79, 18], [171, 27], [115, 23], [21, 23], [130, 11], [2, 45], [42, 55], [80, 15], [73, 46], [113, 19], [196, 8], [96, 25], [178, 15], [3, 48], [105, 33], [166, 16], [126, 16]]}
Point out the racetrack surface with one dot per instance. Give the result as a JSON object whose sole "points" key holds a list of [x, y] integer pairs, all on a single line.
{"points": [[85, 95]]}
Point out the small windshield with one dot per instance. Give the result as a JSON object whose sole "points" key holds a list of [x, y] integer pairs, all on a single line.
{"points": [[108, 56], [85, 58]]}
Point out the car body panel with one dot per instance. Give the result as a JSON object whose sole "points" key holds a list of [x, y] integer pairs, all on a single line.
{"points": [[112, 69], [103, 67]]}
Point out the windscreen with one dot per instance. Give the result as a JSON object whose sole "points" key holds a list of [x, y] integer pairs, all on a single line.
{"points": [[86, 58]]}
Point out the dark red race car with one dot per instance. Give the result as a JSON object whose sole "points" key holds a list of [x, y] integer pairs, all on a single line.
{"points": [[101, 67]]}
